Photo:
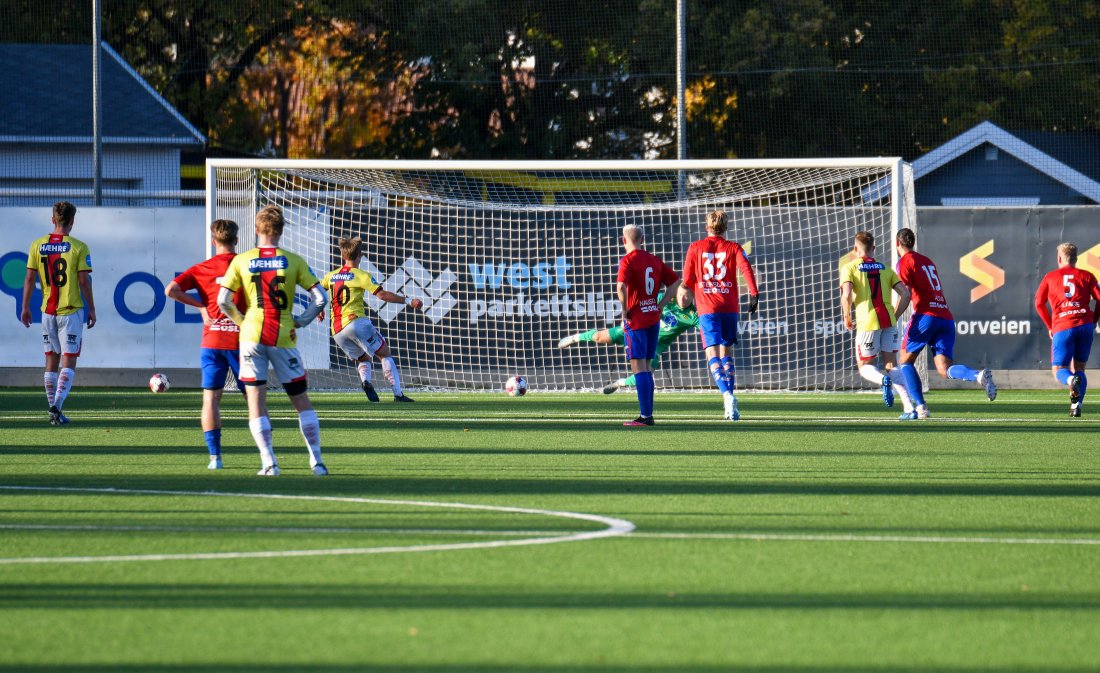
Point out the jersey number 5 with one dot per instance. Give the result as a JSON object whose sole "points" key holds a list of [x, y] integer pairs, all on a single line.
{"points": [[1071, 289], [274, 292]]}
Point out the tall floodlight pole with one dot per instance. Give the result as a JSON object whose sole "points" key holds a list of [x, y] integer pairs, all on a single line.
{"points": [[97, 107], [681, 88]]}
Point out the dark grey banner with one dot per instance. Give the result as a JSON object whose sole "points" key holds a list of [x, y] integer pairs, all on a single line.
{"points": [[990, 261]]}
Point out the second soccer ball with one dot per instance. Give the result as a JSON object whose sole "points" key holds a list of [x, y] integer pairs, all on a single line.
{"points": [[516, 386], [159, 383]]}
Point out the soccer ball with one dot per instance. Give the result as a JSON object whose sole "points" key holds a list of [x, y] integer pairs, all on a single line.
{"points": [[159, 383], [516, 386]]}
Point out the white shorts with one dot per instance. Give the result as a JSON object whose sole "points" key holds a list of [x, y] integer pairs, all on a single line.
{"points": [[255, 358], [63, 334], [359, 338], [870, 344]]}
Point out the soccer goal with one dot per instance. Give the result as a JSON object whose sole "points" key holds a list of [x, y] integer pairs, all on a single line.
{"points": [[509, 257]]}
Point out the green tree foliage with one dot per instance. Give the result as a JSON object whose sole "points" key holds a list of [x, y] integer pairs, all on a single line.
{"points": [[562, 79]]}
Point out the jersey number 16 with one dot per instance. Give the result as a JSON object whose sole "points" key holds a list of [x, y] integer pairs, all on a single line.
{"points": [[274, 292]]}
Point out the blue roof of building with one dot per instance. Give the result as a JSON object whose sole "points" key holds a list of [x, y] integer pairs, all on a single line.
{"points": [[1079, 150], [48, 98]]}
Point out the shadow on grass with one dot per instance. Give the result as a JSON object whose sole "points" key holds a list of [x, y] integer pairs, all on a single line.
{"points": [[81, 596], [297, 481], [528, 668]]}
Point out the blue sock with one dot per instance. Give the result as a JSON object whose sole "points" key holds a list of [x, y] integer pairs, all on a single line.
{"points": [[962, 373], [727, 367], [644, 385], [718, 375], [214, 441], [1063, 375], [1084, 384], [911, 377]]}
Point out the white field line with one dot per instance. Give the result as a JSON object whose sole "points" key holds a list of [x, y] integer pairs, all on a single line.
{"points": [[614, 527], [277, 529], [846, 537]]}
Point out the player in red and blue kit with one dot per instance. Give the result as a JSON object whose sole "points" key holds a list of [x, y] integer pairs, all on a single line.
{"points": [[641, 277], [710, 272], [1071, 293], [931, 324], [220, 353]]}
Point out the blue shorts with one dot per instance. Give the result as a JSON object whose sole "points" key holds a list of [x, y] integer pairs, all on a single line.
{"points": [[216, 363], [641, 344], [932, 331], [718, 329], [1074, 343]]}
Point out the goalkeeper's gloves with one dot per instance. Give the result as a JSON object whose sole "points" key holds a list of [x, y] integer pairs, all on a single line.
{"points": [[754, 299]]}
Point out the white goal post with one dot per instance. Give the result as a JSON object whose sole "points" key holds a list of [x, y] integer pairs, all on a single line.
{"points": [[511, 256]]}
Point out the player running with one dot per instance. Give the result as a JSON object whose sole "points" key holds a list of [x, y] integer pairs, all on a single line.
{"points": [[269, 276], [63, 266], [674, 322], [709, 273], [220, 354], [639, 281], [931, 324], [865, 286], [352, 329], [1070, 292]]}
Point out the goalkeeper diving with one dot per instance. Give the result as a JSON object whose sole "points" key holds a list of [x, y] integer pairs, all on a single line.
{"points": [[674, 322]]}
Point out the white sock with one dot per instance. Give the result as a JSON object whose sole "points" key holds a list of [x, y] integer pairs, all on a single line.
{"points": [[389, 368], [261, 432], [364, 370], [903, 394], [311, 432], [64, 385], [871, 373], [49, 379]]}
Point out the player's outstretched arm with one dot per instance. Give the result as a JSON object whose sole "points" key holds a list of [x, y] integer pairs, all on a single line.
{"points": [[670, 292], [393, 298], [320, 301]]}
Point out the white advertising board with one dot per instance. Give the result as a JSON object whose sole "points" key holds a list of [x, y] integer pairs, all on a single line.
{"points": [[135, 253]]}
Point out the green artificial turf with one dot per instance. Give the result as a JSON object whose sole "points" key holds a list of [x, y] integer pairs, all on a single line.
{"points": [[818, 534]]}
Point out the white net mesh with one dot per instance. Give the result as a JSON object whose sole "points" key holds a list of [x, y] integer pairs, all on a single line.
{"points": [[509, 261]]}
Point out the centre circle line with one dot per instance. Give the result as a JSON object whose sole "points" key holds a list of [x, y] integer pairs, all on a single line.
{"points": [[615, 527]]}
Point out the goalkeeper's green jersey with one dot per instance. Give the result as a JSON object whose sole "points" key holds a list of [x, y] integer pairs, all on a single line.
{"points": [[675, 320]]}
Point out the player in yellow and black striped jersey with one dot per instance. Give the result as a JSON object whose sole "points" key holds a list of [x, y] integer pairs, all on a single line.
{"points": [[62, 265], [269, 275], [351, 329], [865, 289]]}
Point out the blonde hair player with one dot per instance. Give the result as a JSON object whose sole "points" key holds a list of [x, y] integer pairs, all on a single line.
{"points": [[269, 276], [352, 330], [1074, 300], [710, 272], [865, 302]]}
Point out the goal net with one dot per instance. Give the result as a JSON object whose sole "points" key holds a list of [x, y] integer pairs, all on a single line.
{"points": [[510, 257]]}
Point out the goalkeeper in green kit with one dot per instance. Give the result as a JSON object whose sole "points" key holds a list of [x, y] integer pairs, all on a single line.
{"points": [[674, 322]]}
